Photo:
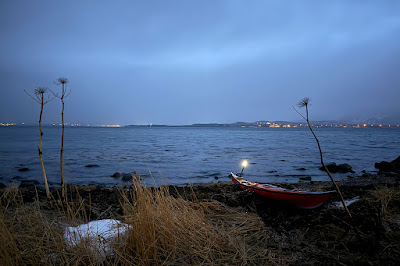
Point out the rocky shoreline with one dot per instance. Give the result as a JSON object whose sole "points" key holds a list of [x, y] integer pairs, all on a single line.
{"points": [[384, 168], [324, 235]]}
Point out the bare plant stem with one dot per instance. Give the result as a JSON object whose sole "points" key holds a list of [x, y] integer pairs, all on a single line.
{"points": [[64, 94], [323, 164], [63, 192], [41, 149]]}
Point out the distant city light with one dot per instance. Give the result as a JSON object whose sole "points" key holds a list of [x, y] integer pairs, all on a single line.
{"points": [[110, 125]]}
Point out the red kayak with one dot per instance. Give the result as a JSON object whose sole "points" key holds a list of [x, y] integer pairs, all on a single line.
{"points": [[303, 199]]}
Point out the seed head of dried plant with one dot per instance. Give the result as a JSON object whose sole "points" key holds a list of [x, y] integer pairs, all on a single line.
{"points": [[39, 95], [64, 91]]}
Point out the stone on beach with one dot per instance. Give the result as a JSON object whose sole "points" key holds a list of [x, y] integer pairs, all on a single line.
{"points": [[123, 176], [117, 175], [341, 168], [92, 165], [345, 168], [332, 167], [127, 177], [393, 166], [385, 166]]}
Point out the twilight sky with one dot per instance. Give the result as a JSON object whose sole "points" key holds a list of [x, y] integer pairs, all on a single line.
{"points": [[184, 62]]}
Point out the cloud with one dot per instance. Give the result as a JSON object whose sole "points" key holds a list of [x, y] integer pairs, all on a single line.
{"points": [[175, 55]]}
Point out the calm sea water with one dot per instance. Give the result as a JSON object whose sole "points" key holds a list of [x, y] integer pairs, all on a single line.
{"points": [[182, 155]]}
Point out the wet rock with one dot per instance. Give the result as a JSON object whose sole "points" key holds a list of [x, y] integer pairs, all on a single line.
{"points": [[305, 178], [2, 185], [345, 168], [332, 167], [117, 175], [92, 165], [28, 183], [388, 167], [396, 163], [393, 166], [385, 166], [24, 169], [341, 168], [126, 177], [216, 177]]}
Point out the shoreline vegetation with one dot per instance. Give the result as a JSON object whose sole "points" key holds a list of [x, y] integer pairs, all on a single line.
{"points": [[205, 224]]}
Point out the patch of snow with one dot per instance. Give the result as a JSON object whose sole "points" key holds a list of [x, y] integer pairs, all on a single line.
{"points": [[339, 204], [96, 235]]}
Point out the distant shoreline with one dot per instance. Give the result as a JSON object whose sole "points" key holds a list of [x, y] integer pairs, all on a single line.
{"points": [[257, 124]]}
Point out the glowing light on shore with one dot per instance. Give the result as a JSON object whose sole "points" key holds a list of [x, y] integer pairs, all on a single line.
{"points": [[244, 165]]}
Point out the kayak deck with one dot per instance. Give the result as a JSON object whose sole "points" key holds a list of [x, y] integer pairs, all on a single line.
{"points": [[303, 199]]}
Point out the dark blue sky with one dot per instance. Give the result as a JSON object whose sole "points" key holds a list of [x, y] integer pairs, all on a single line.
{"points": [[183, 62]]}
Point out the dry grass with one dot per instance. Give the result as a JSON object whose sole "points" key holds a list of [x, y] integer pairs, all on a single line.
{"points": [[387, 200], [168, 230], [26, 235], [162, 230], [165, 230]]}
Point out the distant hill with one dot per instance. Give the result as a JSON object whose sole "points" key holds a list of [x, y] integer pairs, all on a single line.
{"points": [[279, 124]]}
